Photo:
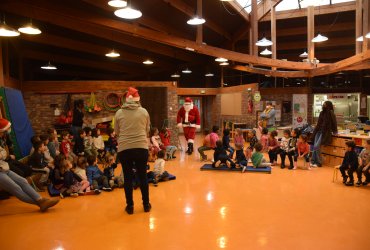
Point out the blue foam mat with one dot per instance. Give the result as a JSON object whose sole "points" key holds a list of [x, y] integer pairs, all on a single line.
{"points": [[249, 169], [52, 190], [170, 178]]}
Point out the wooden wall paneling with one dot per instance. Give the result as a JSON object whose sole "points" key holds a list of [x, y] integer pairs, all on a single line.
{"points": [[154, 100]]}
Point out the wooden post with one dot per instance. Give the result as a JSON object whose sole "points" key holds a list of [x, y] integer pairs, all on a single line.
{"points": [[365, 24], [358, 25], [199, 38], [310, 32], [254, 27], [273, 31], [2, 83]]}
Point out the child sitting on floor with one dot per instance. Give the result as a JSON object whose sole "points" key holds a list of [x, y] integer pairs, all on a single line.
{"points": [[89, 143], [79, 146], [252, 141], [349, 164], [303, 151], [273, 147], [53, 144], [37, 161], [364, 167], [112, 143], [114, 181], [221, 156], [95, 176], [226, 142], [48, 159], [154, 144], [73, 185], [98, 144], [264, 139], [80, 170], [165, 136], [158, 172], [257, 158], [66, 147]]}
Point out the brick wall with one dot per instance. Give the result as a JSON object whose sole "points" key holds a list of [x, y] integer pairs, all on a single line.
{"points": [[172, 102]]}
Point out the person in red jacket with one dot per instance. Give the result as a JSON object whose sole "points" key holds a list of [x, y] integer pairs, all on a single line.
{"points": [[188, 118]]}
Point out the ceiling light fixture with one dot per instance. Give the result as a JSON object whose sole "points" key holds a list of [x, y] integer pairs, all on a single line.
{"points": [[209, 74], [112, 54], [360, 39], [49, 66], [190, 49], [266, 52], [221, 59], [128, 12], [319, 38], [196, 21], [7, 31], [224, 64], [175, 75], [148, 62], [117, 3], [30, 29], [264, 42], [304, 54], [186, 71]]}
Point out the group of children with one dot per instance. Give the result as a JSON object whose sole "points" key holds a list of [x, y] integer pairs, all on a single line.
{"points": [[159, 141], [292, 145]]}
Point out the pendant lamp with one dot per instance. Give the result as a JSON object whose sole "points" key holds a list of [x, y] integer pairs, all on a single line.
{"points": [[266, 52], [304, 54], [175, 75], [30, 29], [360, 39], [196, 21], [148, 62], [264, 42], [221, 59], [49, 66], [117, 3], [112, 54], [319, 38], [128, 12], [186, 71], [7, 31]]}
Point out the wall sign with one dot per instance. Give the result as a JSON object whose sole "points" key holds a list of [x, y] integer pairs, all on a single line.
{"points": [[299, 110]]}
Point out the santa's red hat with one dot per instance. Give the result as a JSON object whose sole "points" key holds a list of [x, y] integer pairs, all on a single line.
{"points": [[188, 100], [4, 125], [132, 95]]}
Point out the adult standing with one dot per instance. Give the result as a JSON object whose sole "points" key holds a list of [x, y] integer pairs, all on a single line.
{"points": [[15, 184], [132, 124], [268, 116], [188, 118], [322, 134], [78, 117]]}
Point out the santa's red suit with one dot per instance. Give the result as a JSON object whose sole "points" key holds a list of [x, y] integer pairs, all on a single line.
{"points": [[188, 118]]}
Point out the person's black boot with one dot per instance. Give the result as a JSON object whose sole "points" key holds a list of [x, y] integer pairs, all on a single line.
{"points": [[129, 209], [190, 148], [187, 151], [147, 207]]}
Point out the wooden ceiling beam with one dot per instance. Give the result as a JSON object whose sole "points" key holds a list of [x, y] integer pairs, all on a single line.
{"points": [[82, 74], [359, 66], [144, 20], [108, 66], [190, 11], [96, 26], [322, 10], [240, 10], [264, 8], [73, 44], [338, 66], [274, 73]]}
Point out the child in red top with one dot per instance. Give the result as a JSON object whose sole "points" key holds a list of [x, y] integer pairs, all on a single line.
{"points": [[66, 147], [165, 136], [264, 139], [303, 150], [273, 147]]}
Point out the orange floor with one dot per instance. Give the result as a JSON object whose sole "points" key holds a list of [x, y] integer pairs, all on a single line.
{"points": [[202, 210]]}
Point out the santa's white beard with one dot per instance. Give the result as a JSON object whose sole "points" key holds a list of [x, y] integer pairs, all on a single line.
{"points": [[188, 107]]}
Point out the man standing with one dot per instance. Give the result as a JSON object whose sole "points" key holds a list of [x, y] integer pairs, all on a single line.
{"points": [[188, 118], [268, 116]]}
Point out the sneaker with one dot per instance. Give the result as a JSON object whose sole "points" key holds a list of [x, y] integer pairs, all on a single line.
{"points": [[97, 191], [290, 167], [173, 157], [108, 189], [365, 183], [129, 209], [282, 166], [345, 179], [74, 195], [295, 168], [147, 208], [358, 183], [155, 182], [61, 195], [313, 165], [350, 183], [244, 169], [45, 203]]}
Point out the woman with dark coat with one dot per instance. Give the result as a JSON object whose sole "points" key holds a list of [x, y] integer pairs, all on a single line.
{"points": [[322, 134], [78, 117]]}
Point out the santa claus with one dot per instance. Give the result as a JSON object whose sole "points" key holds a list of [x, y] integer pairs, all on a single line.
{"points": [[188, 118]]}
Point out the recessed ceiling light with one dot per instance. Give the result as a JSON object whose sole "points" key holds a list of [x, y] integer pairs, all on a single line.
{"points": [[186, 71], [117, 3], [49, 66], [196, 21], [148, 62], [112, 54]]}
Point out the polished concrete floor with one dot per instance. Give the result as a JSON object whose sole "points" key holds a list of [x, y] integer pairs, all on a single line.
{"points": [[202, 210]]}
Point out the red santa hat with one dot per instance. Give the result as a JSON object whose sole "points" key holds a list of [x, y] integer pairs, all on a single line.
{"points": [[4, 125], [188, 100], [132, 95]]}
